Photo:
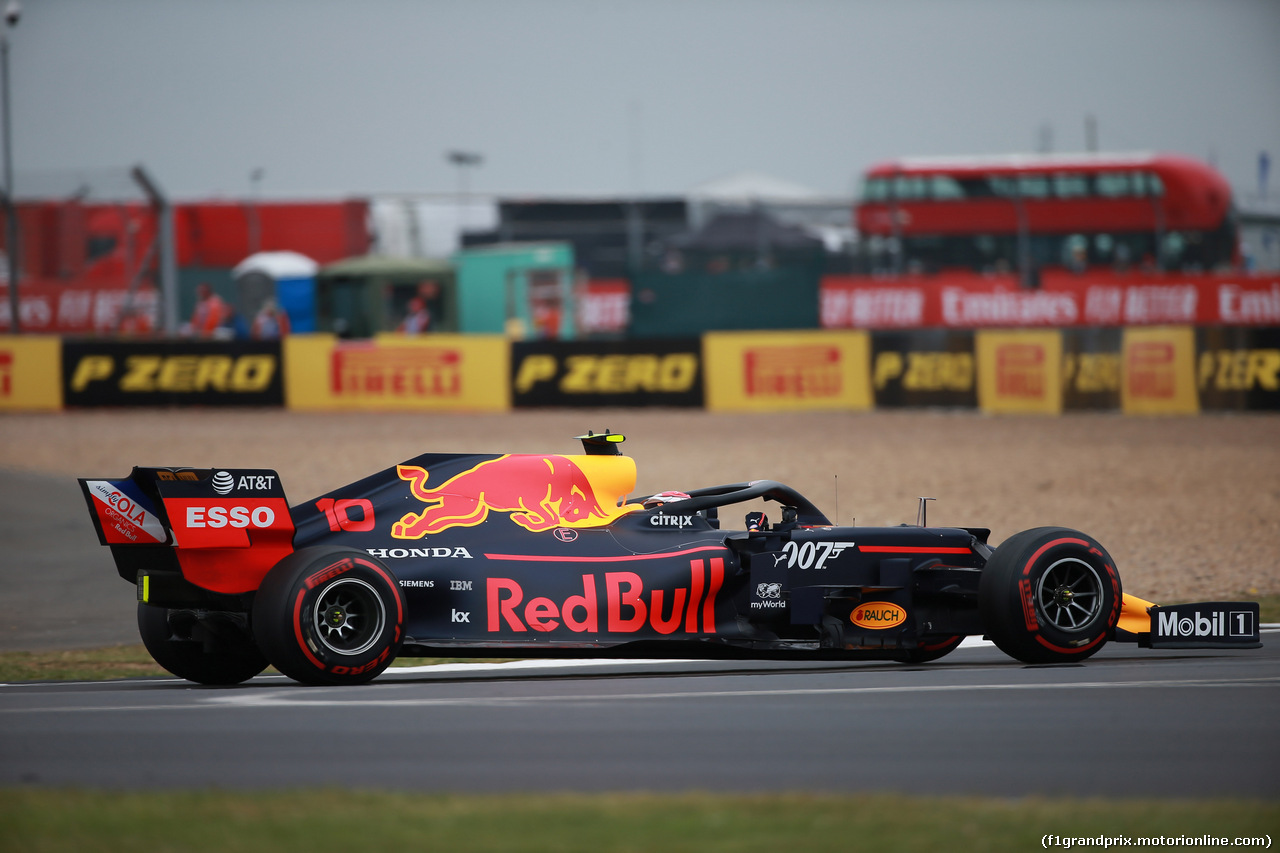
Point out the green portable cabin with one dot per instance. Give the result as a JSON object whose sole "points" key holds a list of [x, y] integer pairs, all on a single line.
{"points": [[524, 290], [359, 297]]}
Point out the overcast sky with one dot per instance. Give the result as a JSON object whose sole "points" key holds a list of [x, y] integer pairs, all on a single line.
{"points": [[569, 97]]}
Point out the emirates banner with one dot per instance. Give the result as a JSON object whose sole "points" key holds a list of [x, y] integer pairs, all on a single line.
{"points": [[971, 301], [102, 307]]}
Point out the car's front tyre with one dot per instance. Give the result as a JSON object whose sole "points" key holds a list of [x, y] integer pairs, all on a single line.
{"points": [[329, 616], [1049, 595]]}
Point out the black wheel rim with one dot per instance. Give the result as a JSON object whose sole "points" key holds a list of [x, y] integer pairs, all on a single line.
{"points": [[1069, 595], [349, 616]]}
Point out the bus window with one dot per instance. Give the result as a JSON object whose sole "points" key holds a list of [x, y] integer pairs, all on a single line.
{"points": [[1113, 184], [1147, 184], [976, 187], [1103, 245], [945, 188], [1075, 253], [909, 186], [1004, 187], [1033, 186], [1070, 186], [875, 189], [1171, 250]]}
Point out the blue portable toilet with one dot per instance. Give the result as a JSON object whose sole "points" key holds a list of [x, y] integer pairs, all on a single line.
{"points": [[287, 277]]}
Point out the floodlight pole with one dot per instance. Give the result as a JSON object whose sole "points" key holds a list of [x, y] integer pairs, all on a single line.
{"points": [[164, 236], [463, 159], [10, 209]]}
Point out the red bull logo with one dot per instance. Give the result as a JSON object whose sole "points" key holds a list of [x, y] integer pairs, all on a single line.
{"points": [[539, 493], [628, 608]]}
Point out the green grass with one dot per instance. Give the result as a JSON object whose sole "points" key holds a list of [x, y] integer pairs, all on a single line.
{"points": [[44, 821], [1268, 606], [79, 665]]}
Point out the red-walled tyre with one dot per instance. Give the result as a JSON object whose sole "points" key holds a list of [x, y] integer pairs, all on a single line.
{"points": [[329, 616], [1049, 595], [214, 651]]}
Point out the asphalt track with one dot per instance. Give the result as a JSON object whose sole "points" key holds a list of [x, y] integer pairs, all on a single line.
{"points": [[1127, 723]]}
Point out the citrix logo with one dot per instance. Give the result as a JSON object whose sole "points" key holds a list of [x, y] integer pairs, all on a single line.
{"points": [[662, 520]]}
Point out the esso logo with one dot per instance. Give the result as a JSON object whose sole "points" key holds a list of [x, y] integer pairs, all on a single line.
{"points": [[235, 516]]}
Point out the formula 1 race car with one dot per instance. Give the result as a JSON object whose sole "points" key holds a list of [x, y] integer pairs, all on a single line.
{"points": [[545, 555]]}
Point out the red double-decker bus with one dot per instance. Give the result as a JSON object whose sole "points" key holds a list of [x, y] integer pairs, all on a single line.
{"points": [[1026, 213]]}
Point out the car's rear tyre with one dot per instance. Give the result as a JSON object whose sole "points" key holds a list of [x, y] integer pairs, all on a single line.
{"points": [[1049, 595], [329, 616], [205, 652], [929, 649]]}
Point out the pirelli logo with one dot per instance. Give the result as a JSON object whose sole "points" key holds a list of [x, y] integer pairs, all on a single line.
{"points": [[1151, 371], [1020, 371], [804, 371], [149, 373], [396, 372]]}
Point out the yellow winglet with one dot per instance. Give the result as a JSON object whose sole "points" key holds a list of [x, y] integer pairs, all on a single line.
{"points": [[1133, 614]]}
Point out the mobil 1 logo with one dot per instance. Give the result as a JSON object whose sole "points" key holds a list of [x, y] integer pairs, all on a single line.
{"points": [[1205, 624]]}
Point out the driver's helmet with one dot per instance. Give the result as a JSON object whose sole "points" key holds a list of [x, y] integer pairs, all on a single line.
{"points": [[662, 498]]}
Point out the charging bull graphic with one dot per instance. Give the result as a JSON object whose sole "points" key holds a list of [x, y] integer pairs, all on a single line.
{"points": [[540, 492]]}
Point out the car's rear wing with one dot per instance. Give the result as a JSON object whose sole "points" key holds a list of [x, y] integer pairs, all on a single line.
{"points": [[225, 527]]}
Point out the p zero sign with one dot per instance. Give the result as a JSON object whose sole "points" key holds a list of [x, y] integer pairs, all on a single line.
{"points": [[649, 372], [204, 373]]}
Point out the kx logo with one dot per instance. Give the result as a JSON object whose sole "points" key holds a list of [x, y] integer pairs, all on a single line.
{"points": [[462, 616]]}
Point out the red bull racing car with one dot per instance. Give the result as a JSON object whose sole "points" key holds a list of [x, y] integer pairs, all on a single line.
{"points": [[529, 555]]}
